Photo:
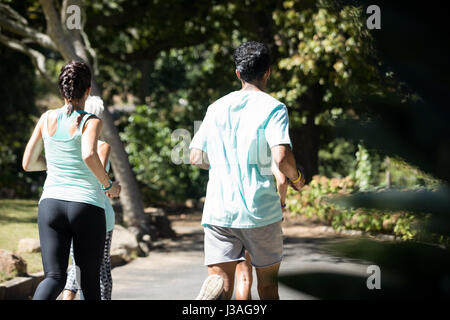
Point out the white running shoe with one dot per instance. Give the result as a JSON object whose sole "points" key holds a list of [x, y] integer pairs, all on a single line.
{"points": [[211, 289]]}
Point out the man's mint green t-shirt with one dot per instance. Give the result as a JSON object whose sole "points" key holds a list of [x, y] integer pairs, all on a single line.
{"points": [[237, 133]]}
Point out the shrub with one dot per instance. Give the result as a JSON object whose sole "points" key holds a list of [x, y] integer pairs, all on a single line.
{"points": [[149, 145], [312, 203]]}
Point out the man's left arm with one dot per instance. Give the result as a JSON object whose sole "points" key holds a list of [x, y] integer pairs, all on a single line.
{"points": [[198, 145], [199, 158]]}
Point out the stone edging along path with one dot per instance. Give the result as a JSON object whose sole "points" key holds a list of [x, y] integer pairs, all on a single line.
{"points": [[20, 288], [123, 248]]}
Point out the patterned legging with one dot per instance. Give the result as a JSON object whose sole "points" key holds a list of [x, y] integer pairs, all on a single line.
{"points": [[105, 271]]}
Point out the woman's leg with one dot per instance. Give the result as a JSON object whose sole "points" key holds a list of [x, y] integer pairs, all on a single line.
{"points": [[105, 269], [54, 235], [71, 287], [88, 226], [244, 279]]}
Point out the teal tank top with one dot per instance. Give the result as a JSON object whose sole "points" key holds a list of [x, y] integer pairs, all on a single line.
{"points": [[68, 177]]}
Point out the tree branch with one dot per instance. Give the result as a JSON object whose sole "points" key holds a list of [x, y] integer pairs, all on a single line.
{"points": [[64, 6], [80, 39], [156, 45], [19, 28], [37, 58], [12, 13], [128, 10], [56, 32], [86, 41], [91, 51]]}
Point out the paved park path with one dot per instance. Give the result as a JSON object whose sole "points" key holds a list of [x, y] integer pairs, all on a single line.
{"points": [[174, 269]]}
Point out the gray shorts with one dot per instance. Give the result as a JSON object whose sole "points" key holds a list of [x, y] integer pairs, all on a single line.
{"points": [[264, 244]]}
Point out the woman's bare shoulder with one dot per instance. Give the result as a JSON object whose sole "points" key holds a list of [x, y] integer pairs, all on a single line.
{"points": [[93, 122]]}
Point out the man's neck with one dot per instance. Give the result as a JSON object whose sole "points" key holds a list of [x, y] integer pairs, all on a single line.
{"points": [[246, 86]]}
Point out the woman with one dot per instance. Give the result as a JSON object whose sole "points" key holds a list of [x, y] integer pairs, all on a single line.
{"points": [[95, 105], [70, 205]]}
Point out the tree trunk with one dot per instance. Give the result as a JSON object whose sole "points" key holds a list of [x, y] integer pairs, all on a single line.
{"points": [[305, 139], [70, 45], [130, 196], [306, 150]]}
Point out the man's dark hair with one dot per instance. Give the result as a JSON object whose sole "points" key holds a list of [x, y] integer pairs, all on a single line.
{"points": [[252, 60]]}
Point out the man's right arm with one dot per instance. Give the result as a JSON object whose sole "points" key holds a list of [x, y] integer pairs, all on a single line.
{"points": [[285, 161], [277, 136]]}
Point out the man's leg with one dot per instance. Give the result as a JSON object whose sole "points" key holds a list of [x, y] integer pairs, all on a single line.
{"points": [[222, 252], [265, 246], [226, 271], [268, 282], [71, 288], [244, 279]]}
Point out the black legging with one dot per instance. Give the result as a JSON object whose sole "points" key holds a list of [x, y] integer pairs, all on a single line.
{"points": [[59, 221]]}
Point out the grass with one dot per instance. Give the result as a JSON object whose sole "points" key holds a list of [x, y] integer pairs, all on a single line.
{"points": [[18, 220]]}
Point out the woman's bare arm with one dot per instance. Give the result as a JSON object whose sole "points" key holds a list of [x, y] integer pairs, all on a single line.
{"points": [[90, 156], [104, 150], [32, 158]]}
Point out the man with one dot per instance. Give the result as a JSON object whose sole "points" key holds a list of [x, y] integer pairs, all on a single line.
{"points": [[242, 209]]}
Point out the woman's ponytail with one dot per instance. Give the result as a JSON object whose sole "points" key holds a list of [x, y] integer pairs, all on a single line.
{"points": [[70, 108], [73, 81]]}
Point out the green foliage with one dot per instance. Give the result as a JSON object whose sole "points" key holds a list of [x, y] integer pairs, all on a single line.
{"points": [[328, 46], [309, 200], [149, 144], [416, 132], [160, 53], [366, 168], [336, 158], [326, 62], [313, 202], [17, 95], [404, 175], [129, 37]]}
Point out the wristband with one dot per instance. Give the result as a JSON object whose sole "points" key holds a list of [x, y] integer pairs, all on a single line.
{"points": [[283, 206], [299, 177], [110, 186]]}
